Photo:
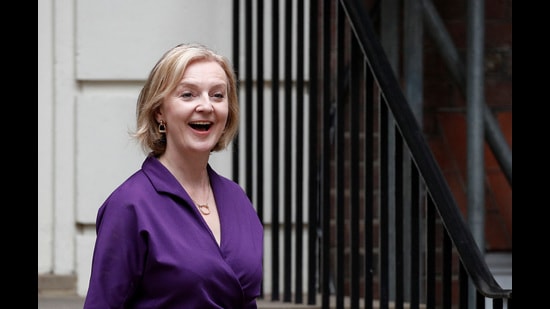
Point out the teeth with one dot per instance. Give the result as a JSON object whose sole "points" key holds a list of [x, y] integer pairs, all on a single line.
{"points": [[201, 125]]}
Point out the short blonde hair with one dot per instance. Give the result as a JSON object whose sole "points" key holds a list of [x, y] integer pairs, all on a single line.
{"points": [[163, 80]]}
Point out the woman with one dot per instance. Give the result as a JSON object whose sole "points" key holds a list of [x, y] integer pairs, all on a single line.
{"points": [[176, 234]]}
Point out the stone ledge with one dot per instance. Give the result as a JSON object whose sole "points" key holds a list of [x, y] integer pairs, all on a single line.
{"points": [[56, 284]]}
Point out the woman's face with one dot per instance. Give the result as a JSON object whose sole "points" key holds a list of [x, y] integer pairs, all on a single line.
{"points": [[196, 112]]}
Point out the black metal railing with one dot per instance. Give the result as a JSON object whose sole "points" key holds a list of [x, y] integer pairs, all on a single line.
{"points": [[333, 158]]}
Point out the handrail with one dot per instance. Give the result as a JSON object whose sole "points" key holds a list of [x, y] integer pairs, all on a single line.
{"points": [[469, 253]]}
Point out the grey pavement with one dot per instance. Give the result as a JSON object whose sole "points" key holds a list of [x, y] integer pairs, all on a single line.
{"points": [[64, 301]]}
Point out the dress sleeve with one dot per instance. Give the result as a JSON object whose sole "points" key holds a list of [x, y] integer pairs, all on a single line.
{"points": [[118, 256]]}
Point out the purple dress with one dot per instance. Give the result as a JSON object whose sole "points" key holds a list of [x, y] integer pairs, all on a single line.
{"points": [[154, 249]]}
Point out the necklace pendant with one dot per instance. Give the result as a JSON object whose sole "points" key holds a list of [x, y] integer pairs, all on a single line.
{"points": [[204, 209]]}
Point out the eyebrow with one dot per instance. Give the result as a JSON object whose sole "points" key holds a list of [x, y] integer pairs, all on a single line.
{"points": [[182, 85]]}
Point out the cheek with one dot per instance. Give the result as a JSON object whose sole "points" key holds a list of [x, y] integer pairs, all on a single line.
{"points": [[223, 111], [180, 110]]}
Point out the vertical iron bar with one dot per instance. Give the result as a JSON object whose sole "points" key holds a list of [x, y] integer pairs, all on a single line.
{"points": [[275, 145], [369, 184], [384, 187], [430, 255], [463, 294], [236, 63], [325, 266], [300, 126], [287, 171], [447, 275], [340, 158], [497, 303], [415, 247], [259, 144], [399, 221], [313, 157], [354, 85], [249, 79]]}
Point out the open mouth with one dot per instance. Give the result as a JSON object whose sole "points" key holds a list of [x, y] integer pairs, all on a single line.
{"points": [[201, 125]]}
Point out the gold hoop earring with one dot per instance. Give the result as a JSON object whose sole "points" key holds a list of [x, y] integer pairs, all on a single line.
{"points": [[162, 127]]}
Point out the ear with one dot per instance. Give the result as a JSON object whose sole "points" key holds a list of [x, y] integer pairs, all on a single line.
{"points": [[158, 115]]}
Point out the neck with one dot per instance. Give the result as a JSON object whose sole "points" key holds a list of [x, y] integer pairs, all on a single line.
{"points": [[190, 174]]}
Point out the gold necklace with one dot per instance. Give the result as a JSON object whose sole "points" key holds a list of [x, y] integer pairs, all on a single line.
{"points": [[204, 208]]}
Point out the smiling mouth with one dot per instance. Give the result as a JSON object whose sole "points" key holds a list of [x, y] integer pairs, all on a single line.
{"points": [[201, 125]]}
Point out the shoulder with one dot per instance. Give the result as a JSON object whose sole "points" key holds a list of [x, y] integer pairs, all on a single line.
{"points": [[129, 192], [137, 189], [135, 185]]}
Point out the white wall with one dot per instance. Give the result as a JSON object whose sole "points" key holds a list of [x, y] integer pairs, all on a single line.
{"points": [[45, 137], [93, 56]]}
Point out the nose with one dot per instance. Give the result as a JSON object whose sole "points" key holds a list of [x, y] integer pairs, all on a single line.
{"points": [[205, 106]]}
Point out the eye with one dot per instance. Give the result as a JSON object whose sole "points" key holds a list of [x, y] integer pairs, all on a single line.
{"points": [[186, 95], [218, 95]]}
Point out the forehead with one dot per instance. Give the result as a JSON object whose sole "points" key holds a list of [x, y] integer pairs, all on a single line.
{"points": [[204, 70]]}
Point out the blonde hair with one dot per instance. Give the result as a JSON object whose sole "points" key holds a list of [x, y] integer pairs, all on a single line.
{"points": [[163, 80]]}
